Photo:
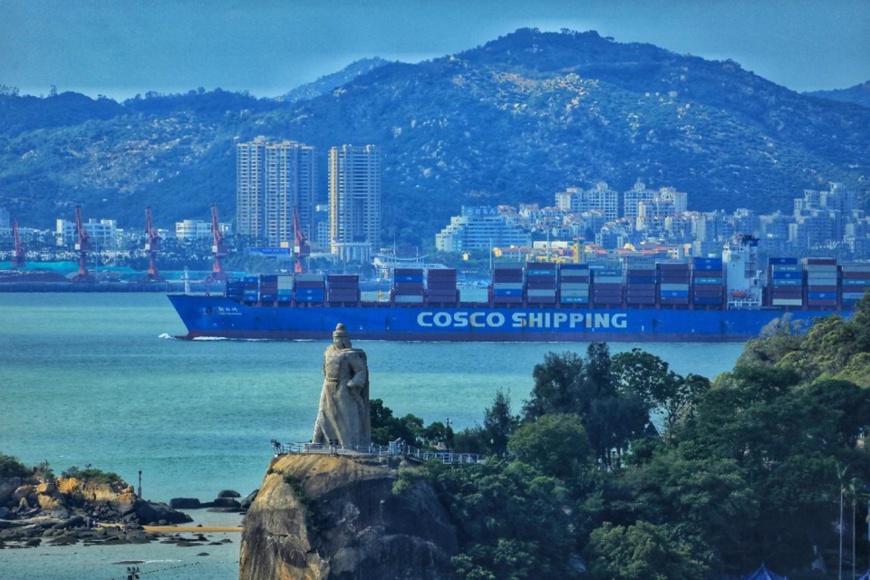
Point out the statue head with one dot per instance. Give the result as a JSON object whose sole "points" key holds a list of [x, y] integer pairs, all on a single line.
{"points": [[339, 337]]}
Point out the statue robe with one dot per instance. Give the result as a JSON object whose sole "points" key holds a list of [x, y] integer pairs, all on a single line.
{"points": [[344, 416]]}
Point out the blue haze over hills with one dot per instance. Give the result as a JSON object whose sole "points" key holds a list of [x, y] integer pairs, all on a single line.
{"points": [[515, 120]]}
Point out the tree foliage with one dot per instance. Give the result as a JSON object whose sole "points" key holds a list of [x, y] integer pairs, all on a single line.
{"points": [[555, 445], [11, 467], [571, 384], [509, 520], [752, 467], [642, 550]]}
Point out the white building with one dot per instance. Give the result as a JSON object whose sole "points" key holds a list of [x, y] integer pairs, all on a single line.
{"points": [[599, 198], [480, 228], [103, 234], [193, 230]]}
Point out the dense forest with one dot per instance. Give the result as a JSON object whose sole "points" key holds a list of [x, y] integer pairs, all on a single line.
{"points": [[618, 468]]}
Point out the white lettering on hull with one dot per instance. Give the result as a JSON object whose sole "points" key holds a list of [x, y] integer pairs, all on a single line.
{"points": [[522, 319]]}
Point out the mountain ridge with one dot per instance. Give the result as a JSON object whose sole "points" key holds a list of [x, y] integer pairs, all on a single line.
{"points": [[516, 119]]}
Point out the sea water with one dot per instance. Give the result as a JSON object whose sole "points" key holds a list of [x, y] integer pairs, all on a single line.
{"points": [[100, 380]]}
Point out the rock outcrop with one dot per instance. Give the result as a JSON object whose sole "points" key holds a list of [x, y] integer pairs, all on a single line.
{"points": [[322, 517], [33, 508]]}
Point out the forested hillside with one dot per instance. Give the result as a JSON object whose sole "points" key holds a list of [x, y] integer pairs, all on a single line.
{"points": [[515, 120], [758, 465]]}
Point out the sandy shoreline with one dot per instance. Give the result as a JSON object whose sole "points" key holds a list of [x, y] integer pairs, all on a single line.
{"points": [[175, 529], [190, 529]]}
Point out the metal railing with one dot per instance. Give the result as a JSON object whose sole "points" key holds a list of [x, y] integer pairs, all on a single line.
{"points": [[395, 449]]}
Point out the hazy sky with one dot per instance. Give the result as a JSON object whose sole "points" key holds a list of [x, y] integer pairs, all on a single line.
{"points": [[119, 48]]}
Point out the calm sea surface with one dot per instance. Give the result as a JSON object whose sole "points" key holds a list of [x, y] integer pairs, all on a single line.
{"points": [[98, 379]]}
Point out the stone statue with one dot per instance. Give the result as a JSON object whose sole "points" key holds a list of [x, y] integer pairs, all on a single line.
{"points": [[343, 417]]}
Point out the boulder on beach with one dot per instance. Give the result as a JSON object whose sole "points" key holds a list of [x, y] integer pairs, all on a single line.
{"points": [[185, 503], [226, 502], [148, 512], [224, 493]]}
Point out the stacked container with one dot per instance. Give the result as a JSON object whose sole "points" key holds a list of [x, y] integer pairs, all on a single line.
{"points": [[251, 289], [821, 282], [574, 284], [269, 288], [408, 286], [708, 283], [310, 288], [285, 288], [855, 281], [785, 281], [441, 286], [507, 284], [342, 288], [541, 283], [640, 282], [607, 285], [673, 283], [236, 290]]}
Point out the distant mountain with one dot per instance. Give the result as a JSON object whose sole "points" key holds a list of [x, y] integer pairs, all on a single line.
{"points": [[859, 94], [517, 119], [330, 82]]}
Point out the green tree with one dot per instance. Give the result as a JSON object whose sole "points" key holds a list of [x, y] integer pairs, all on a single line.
{"points": [[849, 401], [642, 550], [510, 520], [499, 423], [567, 383], [649, 377], [11, 467], [387, 428], [558, 388], [555, 445]]}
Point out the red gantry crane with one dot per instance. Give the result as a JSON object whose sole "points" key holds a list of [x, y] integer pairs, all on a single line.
{"points": [[218, 248], [152, 246], [18, 253], [301, 248], [83, 246]]}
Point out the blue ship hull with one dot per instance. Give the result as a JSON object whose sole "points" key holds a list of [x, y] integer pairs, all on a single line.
{"points": [[218, 316]]}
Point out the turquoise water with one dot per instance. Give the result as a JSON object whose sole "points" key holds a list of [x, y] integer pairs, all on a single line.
{"points": [[98, 379]]}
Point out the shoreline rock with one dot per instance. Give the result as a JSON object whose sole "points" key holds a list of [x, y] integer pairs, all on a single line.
{"points": [[320, 516]]}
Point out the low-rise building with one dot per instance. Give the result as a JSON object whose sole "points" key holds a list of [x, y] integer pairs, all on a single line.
{"points": [[480, 228]]}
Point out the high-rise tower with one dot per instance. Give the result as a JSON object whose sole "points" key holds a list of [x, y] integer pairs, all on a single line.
{"points": [[271, 180], [355, 201], [291, 182], [250, 187]]}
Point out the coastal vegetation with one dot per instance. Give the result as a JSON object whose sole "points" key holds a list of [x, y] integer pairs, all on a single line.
{"points": [[620, 467], [12, 467]]}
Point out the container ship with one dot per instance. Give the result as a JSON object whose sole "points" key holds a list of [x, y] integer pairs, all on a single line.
{"points": [[705, 299]]}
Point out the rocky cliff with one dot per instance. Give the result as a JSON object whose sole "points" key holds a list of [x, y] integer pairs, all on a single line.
{"points": [[319, 517]]}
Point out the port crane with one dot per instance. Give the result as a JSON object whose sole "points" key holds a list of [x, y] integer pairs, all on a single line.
{"points": [[82, 246], [18, 253], [218, 248], [301, 249], [152, 246]]}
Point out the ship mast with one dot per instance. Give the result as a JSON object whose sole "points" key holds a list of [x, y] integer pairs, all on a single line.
{"points": [[300, 244], [152, 246], [218, 248], [82, 246], [18, 254]]}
